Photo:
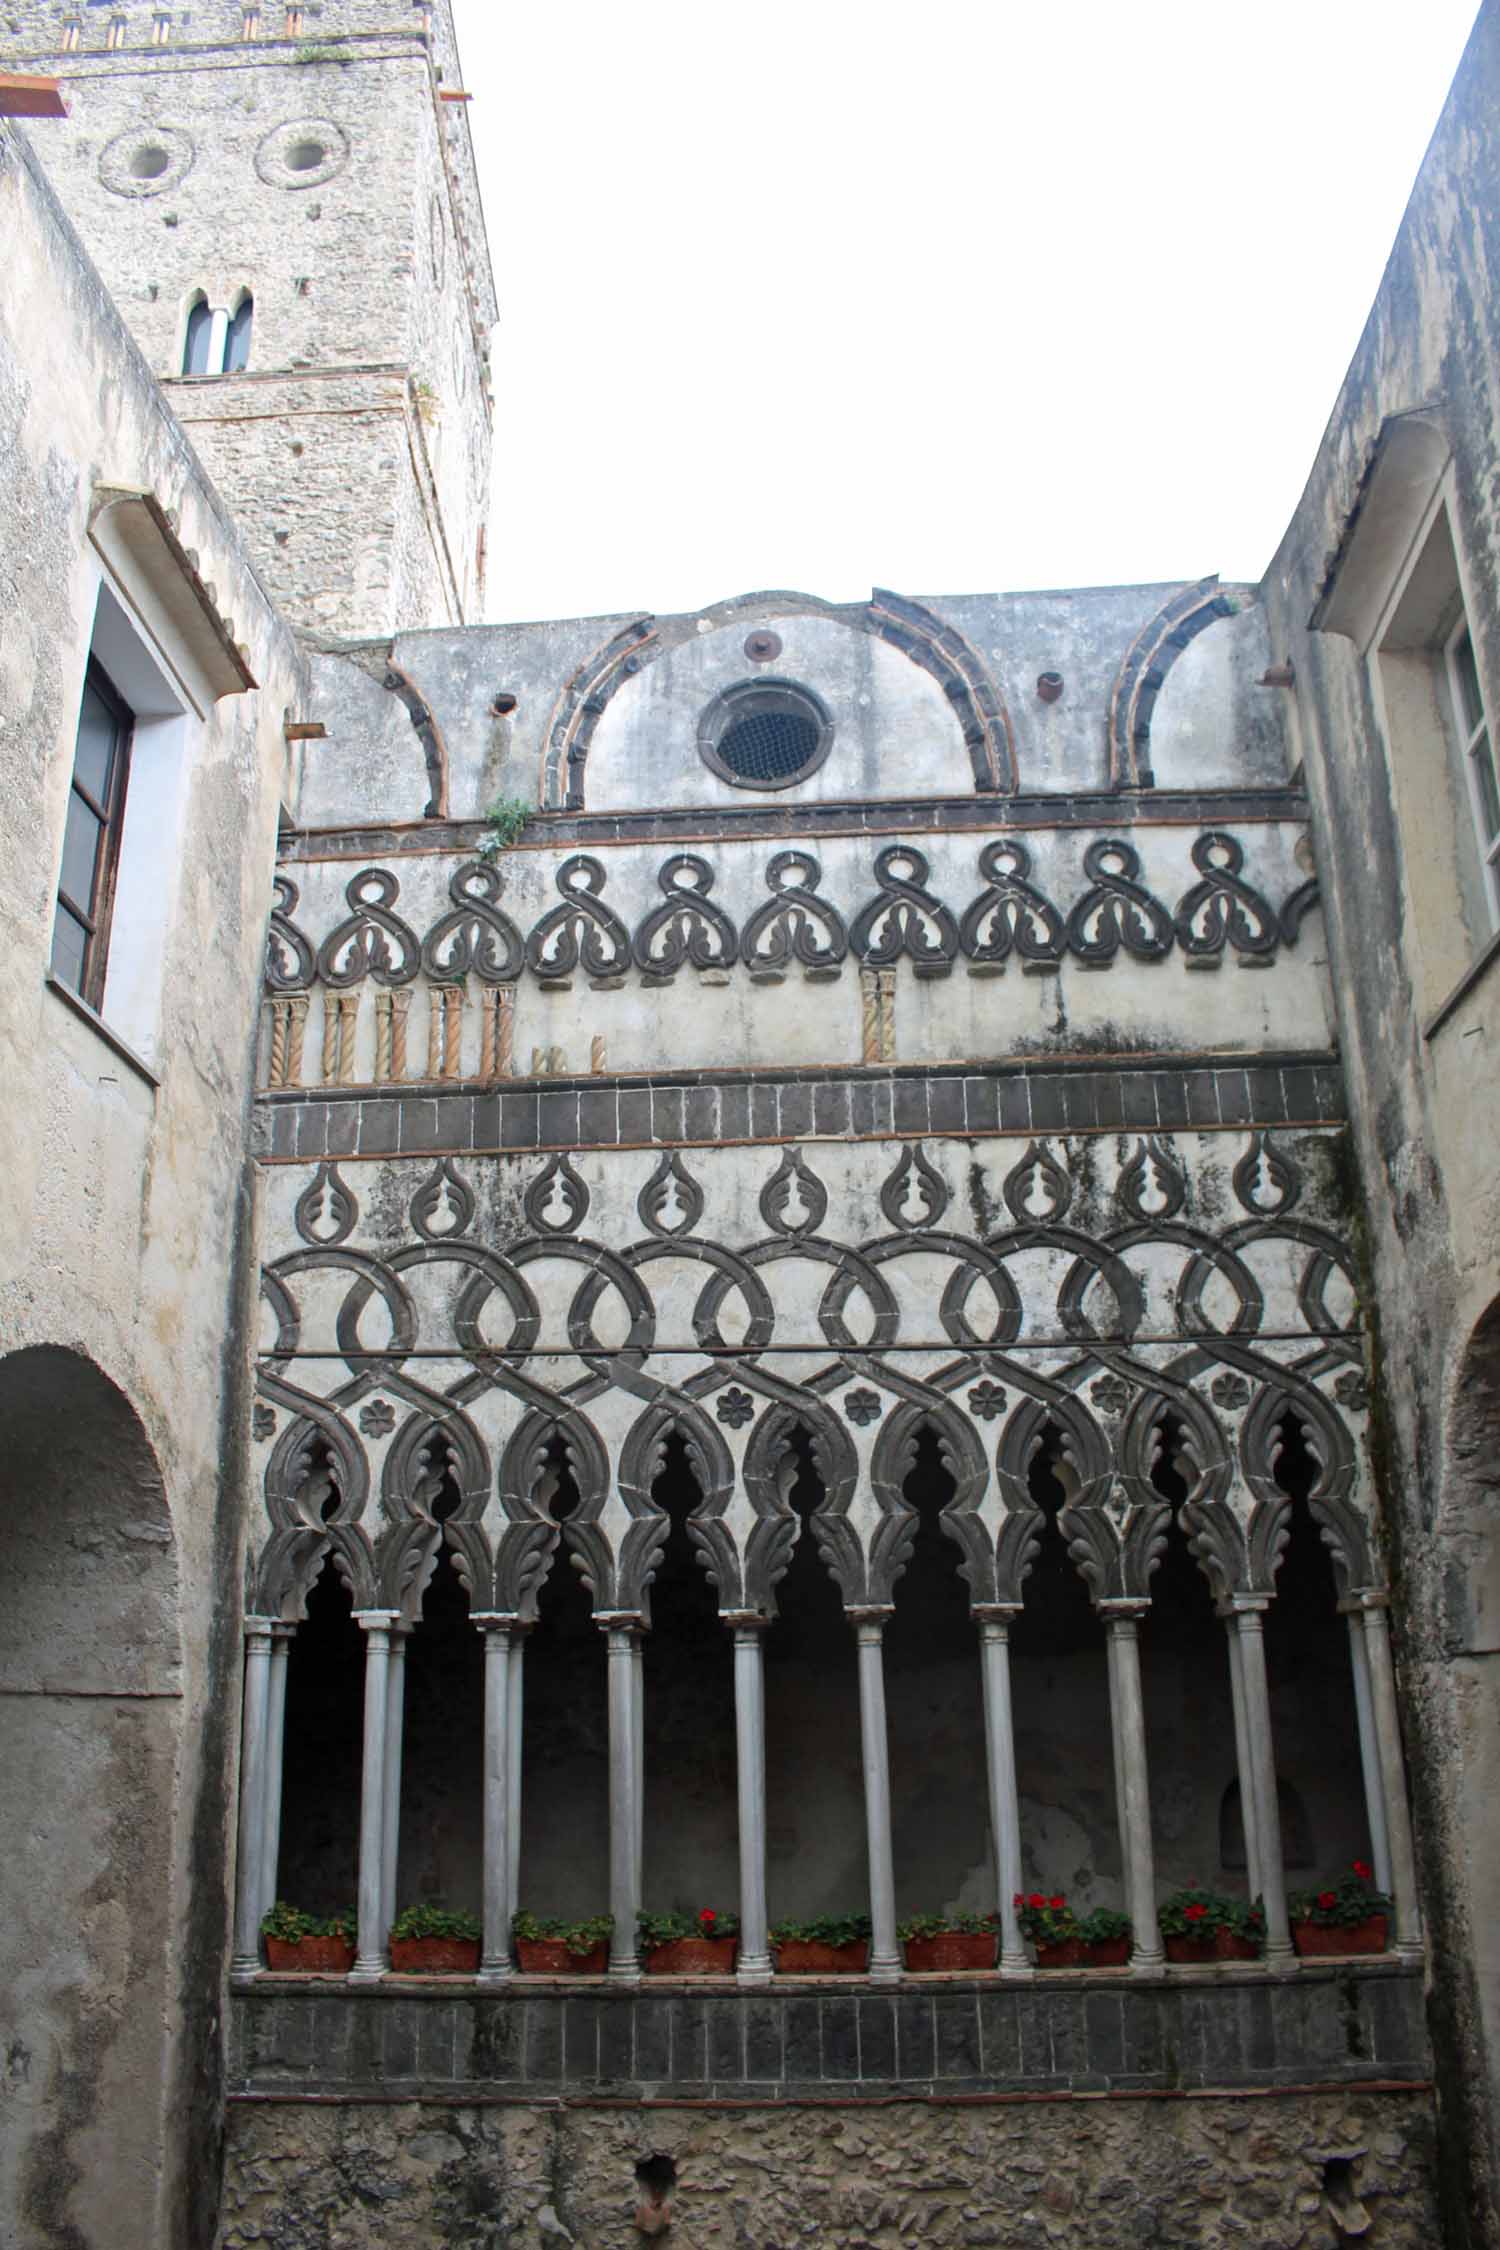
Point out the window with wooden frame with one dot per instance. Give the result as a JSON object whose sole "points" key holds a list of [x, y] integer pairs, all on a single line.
{"points": [[91, 838], [1476, 744]]}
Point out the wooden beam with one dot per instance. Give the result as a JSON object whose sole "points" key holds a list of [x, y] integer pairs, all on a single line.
{"points": [[30, 97]]}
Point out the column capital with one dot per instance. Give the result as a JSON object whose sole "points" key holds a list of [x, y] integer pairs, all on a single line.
{"points": [[869, 1616], [1248, 1605], [493, 1620], [744, 1620], [377, 1620], [1126, 1609], [282, 1628], [259, 1629], [996, 1615], [1370, 1598], [621, 1621]]}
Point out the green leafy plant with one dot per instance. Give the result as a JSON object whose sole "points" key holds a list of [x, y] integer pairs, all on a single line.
{"points": [[1352, 1899], [1195, 1913], [504, 821], [315, 54], [434, 1921], [578, 1937], [1104, 1925], [1244, 1918], [667, 1929], [941, 1925], [1047, 1921], [289, 1923], [823, 1929]]}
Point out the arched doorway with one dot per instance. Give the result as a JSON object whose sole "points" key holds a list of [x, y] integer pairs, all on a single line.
{"points": [[90, 1699]]}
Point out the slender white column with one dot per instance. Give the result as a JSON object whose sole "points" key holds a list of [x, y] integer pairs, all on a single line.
{"points": [[281, 1636], [395, 1728], [638, 1752], [370, 1960], [1132, 1783], [1249, 1813], [494, 1960], [1249, 1619], [218, 340], [518, 1633], [1000, 1761], [750, 1748], [1369, 1750], [248, 1907], [885, 1948], [1392, 1773], [623, 1636], [1122, 1818]]}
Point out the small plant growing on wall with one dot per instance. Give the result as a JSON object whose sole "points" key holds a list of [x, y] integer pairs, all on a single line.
{"points": [[503, 823]]}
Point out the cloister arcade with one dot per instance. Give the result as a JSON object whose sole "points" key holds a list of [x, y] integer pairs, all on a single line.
{"points": [[803, 1573]]}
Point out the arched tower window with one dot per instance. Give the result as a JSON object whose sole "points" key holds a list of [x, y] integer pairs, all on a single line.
{"points": [[237, 343], [200, 323]]}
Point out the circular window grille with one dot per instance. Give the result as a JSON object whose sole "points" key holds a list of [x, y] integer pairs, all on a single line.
{"points": [[765, 734], [145, 161]]}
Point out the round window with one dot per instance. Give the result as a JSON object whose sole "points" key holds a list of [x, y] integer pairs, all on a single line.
{"points": [[149, 163], [305, 156], [765, 734], [145, 161], [302, 153]]}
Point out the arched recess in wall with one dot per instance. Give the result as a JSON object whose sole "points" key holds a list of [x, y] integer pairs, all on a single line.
{"points": [[921, 636], [1148, 660], [90, 1704]]}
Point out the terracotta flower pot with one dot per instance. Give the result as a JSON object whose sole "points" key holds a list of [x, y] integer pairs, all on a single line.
{"points": [[310, 1956], [435, 1956], [951, 1949], [1181, 1947], [1062, 1953], [1107, 1952], [549, 1957], [694, 1957], [801, 1957], [1230, 1946], [1316, 1940]]}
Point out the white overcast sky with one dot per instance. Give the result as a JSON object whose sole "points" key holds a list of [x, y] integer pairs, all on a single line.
{"points": [[949, 298]]}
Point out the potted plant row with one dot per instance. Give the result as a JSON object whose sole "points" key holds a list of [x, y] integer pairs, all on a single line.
{"points": [[307, 1945], [546, 1945], [827, 1945], [434, 1940], [1065, 1940], [1350, 1916], [1200, 1925], [949, 1941], [705, 1944]]}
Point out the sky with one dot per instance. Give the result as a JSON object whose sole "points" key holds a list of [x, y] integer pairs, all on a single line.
{"points": [[949, 298]]}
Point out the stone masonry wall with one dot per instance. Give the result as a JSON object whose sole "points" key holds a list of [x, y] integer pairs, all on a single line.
{"points": [[1118, 2175]]}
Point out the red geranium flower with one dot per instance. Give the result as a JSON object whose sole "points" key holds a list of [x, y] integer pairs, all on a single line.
{"points": [[1018, 1900], [1327, 1898], [1057, 1902], [1036, 1899], [1194, 1913], [708, 1918], [1362, 1870]]}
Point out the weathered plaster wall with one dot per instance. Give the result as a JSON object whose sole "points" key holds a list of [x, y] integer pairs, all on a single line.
{"points": [[1423, 1098], [123, 1232]]}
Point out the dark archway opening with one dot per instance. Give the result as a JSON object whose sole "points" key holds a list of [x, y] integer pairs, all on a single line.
{"points": [[1313, 1713], [935, 1714], [565, 1737], [441, 1856], [324, 1734], [815, 1807], [1060, 1691], [1190, 1745], [691, 1845]]}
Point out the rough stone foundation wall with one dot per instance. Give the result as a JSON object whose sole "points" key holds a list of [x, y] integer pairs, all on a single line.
{"points": [[1281, 2171]]}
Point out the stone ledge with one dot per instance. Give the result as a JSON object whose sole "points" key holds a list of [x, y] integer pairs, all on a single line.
{"points": [[1339, 2026]]}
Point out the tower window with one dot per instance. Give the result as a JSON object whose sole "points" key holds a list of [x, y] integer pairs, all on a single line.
{"points": [[71, 33], [116, 34], [250, 28], [91, 839], [237, 342], [765, 734], [294, 23], [215, 342], [161, 30]]}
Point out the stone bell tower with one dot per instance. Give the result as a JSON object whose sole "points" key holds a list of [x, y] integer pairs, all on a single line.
{"points": [[282, 201]]}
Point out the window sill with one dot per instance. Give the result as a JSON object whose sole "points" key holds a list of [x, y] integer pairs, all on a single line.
{"points": [[96, 1023], [1472, 976]]}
